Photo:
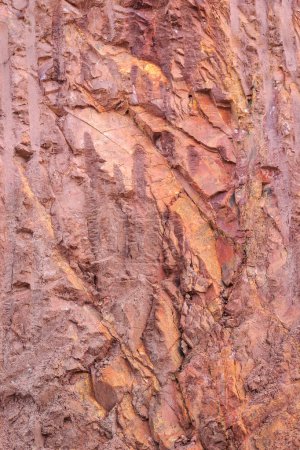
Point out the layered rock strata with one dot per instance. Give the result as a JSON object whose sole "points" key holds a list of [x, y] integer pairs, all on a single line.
{"points": [[149, 224]]}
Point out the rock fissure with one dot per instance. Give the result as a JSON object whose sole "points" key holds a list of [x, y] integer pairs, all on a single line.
{"points": [[149, 224]]}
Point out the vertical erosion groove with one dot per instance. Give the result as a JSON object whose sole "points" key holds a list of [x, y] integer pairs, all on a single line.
{"points": [[149, 224]]}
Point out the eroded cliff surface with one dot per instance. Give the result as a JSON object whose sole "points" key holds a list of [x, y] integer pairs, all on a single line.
{"points": [[150, 224]]}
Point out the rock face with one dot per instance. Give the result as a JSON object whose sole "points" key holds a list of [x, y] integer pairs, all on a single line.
{"points": [[150, 224]]}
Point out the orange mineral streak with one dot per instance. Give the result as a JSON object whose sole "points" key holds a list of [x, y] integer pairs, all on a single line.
{"points": [[149, 226]]}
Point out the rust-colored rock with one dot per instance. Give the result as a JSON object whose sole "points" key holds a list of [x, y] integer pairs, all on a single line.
{"points": [[149, 224]]}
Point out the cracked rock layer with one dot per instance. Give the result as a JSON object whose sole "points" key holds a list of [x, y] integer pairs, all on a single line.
{"points": [[149, 224]]}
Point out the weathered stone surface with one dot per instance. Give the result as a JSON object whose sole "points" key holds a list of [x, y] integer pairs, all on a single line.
{"points": [[149, 224]]}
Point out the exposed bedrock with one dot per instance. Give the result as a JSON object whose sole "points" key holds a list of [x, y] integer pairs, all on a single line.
{"points": [[149, 225]]}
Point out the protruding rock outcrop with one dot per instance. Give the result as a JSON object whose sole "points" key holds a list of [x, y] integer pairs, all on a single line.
{"points": [[149, 224]]}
